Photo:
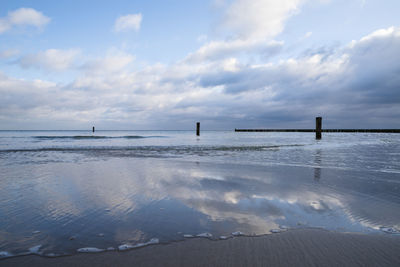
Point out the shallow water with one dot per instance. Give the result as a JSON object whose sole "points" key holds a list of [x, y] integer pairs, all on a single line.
{"points": [[66, 190]]}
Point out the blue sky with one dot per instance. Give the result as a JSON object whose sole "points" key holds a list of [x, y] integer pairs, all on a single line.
{"points": [[229, 64]]}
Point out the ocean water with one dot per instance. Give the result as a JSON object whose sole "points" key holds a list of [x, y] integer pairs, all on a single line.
{"points": [[65, 192]]}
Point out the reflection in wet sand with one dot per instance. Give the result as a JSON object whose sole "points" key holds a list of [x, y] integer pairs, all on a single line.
{"points": [[133, 200], [317, 161]]}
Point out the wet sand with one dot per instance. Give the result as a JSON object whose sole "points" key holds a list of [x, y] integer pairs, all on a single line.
{"points": [[301, 247]]}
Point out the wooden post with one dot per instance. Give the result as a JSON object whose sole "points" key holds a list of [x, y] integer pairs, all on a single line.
{"points": [[318, 127], [198, 128], [93, 129]]}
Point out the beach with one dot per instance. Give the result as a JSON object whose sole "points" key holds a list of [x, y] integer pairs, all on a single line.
{"points": [[200, 133], [157, 197], [302, 247]]}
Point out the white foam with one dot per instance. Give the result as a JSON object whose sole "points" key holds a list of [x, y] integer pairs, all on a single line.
{"points": [[389, 230], [238, 233], [35, 249], [188, 236], [5, 254], [100, 234], [223, 237], [274, 231], [129, 246], [90, 250], [125, 247], [36, 232], [110, 249], [207, 235], [153, 241]]}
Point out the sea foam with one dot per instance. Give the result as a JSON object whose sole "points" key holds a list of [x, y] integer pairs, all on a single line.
{"points": [[389, 230], [130, 246], [5, 254], [237, 233], [188, 236], [35, 249], [207, 235], [90, 250]]}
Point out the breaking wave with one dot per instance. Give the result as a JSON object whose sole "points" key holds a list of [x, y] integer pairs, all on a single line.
{"points": [[84, 137]]}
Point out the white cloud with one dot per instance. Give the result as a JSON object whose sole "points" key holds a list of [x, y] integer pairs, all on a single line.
{"points": [[28, 16], [225, 49], [258, 19], [128, 23], [381, 33], [108, 72], [51, 59], [110, 64], [252, 25], [23, 17]]}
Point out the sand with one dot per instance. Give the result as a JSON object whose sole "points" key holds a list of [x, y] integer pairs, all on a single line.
{"points": [[301, 247]]}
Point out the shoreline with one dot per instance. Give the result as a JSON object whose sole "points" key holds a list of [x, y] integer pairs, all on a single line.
{"points": [[300, 247]]}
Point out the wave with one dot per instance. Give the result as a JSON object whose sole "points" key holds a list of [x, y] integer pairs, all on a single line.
{"points": [[150, 148], [255, 148], [84, 137]]}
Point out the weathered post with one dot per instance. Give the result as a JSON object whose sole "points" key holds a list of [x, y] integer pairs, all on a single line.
{"points": [[318, 127], [93, 129], [198, 128]]}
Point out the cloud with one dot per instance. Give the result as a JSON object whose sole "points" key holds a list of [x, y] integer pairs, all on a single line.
{"points": [[252, 25], [258, 19], [23, 17], [51, 59], [224, 49], [130, 22], [356, 85], [307, 35], [111, 63], [381, 33], [105, 73]]}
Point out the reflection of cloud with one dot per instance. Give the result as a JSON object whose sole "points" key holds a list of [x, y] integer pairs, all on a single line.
{"points": [[254, 216], [256, 201], [231, 197], [56, 204], [252, 199]]}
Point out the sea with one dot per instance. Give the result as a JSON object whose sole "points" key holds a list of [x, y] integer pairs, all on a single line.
{"points": [[68, 192]]}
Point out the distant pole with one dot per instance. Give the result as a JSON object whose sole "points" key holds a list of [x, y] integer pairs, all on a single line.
{"points": [[198, 128], [93, 129], [318, 127]]}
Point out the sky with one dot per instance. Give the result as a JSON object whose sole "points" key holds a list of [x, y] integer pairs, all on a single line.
{"points": [[166, 64]]}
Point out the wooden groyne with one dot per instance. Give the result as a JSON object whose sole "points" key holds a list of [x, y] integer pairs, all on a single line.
{"points": [[323, 130], [318, 130]]}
